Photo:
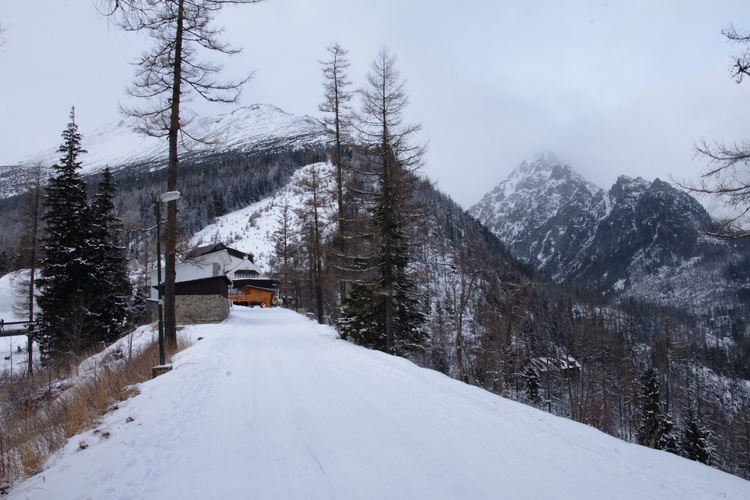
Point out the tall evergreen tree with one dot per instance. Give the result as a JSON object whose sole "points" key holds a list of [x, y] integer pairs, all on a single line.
{"points": [[64, 323], [84, 287], [695, 444], [385, 287], [650, 422], [532, 385], [110, 274], [656, 427]]}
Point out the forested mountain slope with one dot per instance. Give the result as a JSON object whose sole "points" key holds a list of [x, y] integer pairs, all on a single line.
{"points": [[241, 157], [260, 127]]}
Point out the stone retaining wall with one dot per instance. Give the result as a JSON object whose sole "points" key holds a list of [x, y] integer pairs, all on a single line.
{"points": [[192, 309]]}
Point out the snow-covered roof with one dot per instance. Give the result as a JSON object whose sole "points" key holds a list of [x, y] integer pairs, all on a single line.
{"points": [[218, 247]]}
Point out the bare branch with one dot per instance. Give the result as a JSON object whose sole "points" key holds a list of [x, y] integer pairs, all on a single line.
{"points": [[155, 69], [741, 66], [727, 175]]}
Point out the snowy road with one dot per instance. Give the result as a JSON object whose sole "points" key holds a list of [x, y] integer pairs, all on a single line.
{"points": [[272, 406]]}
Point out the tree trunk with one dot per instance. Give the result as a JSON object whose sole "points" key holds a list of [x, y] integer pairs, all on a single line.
{"points": [[340, 200], [170, 320], [459, 353], [318, 265], [32, 272]]}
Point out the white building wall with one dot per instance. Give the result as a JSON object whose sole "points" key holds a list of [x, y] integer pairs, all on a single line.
{"points": [[206, 266]]}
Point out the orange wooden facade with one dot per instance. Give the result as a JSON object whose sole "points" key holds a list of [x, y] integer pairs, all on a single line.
{"points": [[252, 296]]}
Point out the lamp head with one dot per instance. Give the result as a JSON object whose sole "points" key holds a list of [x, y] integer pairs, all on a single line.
{"points": [[169, 196]]}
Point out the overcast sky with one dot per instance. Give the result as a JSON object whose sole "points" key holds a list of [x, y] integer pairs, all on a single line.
{"points": [[612, 87]]}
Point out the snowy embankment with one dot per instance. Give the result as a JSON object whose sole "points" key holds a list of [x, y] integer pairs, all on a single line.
{"points": [[11, 359], [269, 405]]}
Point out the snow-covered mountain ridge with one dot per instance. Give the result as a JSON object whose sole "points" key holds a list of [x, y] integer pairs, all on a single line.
{"points": [[639, 238], [532, 195], [119, 146]]}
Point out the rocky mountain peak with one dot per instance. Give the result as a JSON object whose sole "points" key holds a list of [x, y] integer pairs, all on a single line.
{"points": [[541, 167], [638, 237], [626, 189]]}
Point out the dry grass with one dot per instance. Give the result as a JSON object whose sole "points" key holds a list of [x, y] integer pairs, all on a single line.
{"points": [[37, 419]]}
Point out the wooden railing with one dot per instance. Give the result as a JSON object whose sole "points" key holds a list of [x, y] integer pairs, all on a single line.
{"points": [[13, 328]]}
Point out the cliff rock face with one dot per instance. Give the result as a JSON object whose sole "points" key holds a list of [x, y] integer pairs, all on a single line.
{"points": [[544, 212], [639, 239]]}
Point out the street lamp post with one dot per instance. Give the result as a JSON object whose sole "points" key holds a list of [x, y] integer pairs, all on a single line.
{"points": [[163, 198]]}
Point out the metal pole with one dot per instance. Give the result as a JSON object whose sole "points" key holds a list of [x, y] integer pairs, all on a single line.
{"points": [[162, 357]]}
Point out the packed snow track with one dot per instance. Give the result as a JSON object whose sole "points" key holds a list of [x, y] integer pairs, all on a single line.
{"points": [[269, 405]]}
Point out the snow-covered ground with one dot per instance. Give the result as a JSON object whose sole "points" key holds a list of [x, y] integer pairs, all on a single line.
{"points": [[8, 286], [251, 229], [269, 405], [9, 346]]}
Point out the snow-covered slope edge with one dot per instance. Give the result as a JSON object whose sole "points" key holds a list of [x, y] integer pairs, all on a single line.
{"points": [[271, 405]]}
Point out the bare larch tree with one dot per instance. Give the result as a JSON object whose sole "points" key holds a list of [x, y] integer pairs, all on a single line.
{"points": [[167, 75], [336, 105]]}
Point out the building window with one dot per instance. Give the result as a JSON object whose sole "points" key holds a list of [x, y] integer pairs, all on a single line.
{"points": [[245, 273]]}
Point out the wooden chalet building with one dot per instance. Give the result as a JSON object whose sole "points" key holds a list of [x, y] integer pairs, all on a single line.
{"points": [[219, 270]]}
